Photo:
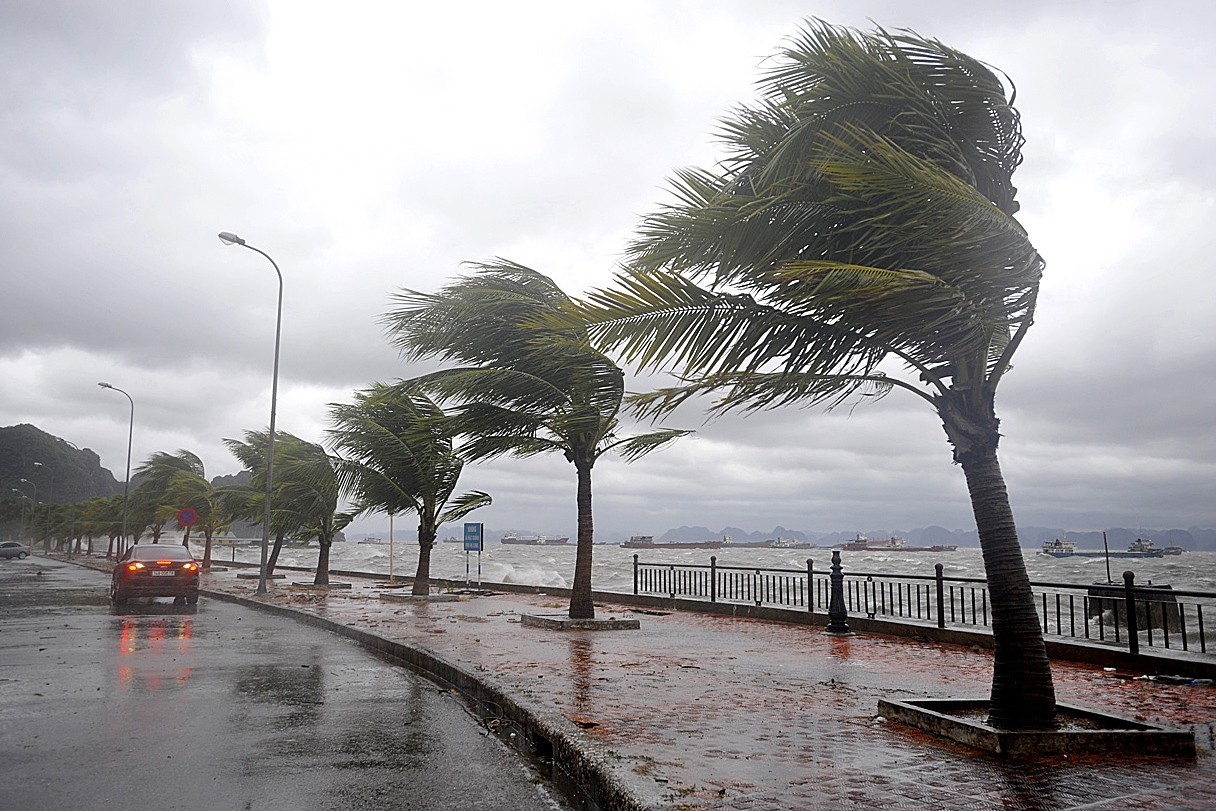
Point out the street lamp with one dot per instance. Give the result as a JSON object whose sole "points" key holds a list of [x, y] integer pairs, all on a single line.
{"points": [[126, 482], [21, 534], [232, 239]]}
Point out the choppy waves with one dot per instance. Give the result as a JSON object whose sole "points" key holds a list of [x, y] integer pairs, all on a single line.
{"points": [[612, 568]]}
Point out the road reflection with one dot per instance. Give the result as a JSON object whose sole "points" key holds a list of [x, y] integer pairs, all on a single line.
{"points": [[146, 645]]}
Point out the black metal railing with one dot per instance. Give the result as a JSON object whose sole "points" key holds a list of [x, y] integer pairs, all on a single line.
{"points": [[1100, 612]]}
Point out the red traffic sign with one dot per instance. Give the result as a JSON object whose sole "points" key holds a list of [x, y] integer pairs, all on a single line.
{"points": [[187, 516]]}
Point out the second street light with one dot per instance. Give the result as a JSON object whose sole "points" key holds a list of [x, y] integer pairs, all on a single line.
{"points": [[232, 239], [126, 482]]}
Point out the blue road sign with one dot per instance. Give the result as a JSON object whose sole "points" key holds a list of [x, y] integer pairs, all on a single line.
{"points": [[472, 537]]}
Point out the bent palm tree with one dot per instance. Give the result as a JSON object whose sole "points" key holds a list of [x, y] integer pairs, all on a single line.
{"points": [[156, 476], [527, 388], [306, 497], [865, 214], [396, 455], [246, 502]]}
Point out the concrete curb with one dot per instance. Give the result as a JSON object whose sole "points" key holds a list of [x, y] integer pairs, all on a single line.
{"points": [[589, 768]]}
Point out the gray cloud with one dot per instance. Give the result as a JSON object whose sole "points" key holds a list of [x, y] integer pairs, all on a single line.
{"points": [[381, 147]]}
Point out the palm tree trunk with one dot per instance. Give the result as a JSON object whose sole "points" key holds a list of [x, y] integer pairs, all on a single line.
{"points": [[422, 575], [581, 607], [186, 538], [207, 548], [274, 553], [1023, 696], [322, 576]]}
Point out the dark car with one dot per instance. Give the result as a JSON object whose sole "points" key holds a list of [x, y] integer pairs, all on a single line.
{"points": [[155, 570], [12, 549]]}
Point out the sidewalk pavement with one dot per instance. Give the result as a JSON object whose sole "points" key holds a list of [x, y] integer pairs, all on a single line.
{"points": [[709, 712]]}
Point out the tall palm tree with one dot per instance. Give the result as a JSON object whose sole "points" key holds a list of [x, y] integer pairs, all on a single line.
{"points": [[862, 222], [525, 388], [397, 455]]}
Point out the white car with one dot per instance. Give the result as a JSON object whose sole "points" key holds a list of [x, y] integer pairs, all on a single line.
{"points": [[12, 549]]}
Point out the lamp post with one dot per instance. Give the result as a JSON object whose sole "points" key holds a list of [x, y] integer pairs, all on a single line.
{"points": [[21, 535], [46, 545], [126, 482], [232, 239]]}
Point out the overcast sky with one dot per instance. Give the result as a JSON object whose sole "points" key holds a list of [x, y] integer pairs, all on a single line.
{"points": [[374, 146]]}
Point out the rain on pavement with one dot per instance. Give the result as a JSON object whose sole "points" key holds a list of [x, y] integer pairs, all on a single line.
{"points": [[217, 706]]}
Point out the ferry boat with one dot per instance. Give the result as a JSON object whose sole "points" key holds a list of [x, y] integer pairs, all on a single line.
{"points": [[1058, 548], [647, 542], [533, 540]]}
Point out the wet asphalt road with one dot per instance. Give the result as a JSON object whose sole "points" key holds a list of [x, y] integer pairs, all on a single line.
{"points": [[221, 707]]}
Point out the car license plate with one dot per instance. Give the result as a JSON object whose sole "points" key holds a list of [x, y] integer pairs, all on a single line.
{"points": [[158, 573]]}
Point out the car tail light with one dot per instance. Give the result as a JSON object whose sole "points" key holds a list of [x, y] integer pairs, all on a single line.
{"points": [[190, 567], [164, 563], [134, 567]]}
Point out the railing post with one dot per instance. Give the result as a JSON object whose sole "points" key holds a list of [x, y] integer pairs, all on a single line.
{"points": [[1129, 596], [635, 574], [713, 578], [810, 586], [941, 596], [837, 614]]}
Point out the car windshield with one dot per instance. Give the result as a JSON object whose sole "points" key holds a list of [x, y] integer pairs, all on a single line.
{"points": [[156, 551]]}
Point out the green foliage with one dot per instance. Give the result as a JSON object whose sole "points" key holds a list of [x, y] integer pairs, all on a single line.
{"points": [[865, 213]]}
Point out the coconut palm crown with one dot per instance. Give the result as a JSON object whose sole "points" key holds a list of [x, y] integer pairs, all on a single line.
{"points": [[862, 223], [523, 387]]}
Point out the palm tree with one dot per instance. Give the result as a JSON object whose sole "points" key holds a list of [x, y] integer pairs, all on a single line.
{"points": [[864, 216], [156, 475], [306, 495], [246, 502], [396, 455], [527, 388], [187, 488]]}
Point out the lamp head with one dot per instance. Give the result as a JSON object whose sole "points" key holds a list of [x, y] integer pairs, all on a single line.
{"points": [[105, 385], [230, 239]]}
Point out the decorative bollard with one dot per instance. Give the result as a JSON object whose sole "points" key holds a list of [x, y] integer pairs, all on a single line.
{"points": [[837, 614], [1129, 595]]}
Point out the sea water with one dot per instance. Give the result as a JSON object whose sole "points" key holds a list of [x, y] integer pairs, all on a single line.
{"points": [[612, 565]]}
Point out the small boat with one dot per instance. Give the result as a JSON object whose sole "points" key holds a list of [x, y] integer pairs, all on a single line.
{"points": [[1173, 550], [373, 539], [533, 540], [647, 542]]}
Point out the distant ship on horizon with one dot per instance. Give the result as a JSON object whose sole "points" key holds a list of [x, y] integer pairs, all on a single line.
{"points": [[893, 544], [533, 540], [648, 542]]}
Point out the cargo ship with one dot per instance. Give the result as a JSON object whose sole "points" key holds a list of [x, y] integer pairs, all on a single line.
{"points": [[533, 540], [893, 544], [1139, 548], [647, 542]]}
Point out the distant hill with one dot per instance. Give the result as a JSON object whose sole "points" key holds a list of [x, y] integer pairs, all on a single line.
{"points": [[60, 472]]}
